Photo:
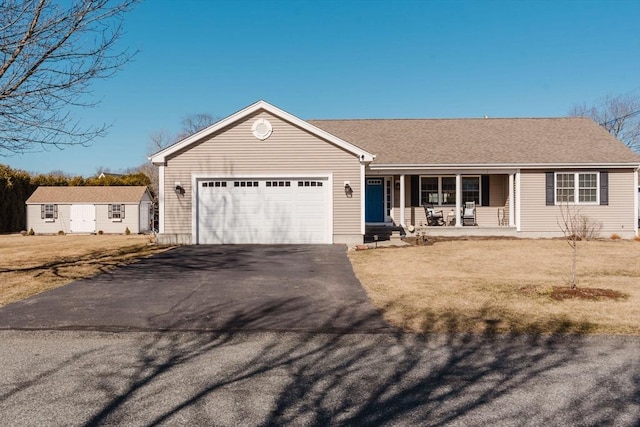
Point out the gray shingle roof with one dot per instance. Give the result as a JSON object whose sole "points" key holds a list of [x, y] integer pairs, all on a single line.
{"points": [[482, 141], [88, 194]]}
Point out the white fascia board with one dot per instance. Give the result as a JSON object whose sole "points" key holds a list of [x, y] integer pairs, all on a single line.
{"points": [[503, 166], [160, 157]]}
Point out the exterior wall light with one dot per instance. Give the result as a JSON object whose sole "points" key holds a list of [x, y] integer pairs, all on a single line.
{"points": [[347, 189]]}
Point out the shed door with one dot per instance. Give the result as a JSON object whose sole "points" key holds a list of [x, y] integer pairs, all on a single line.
{"points": [[264, 211], [82, 218]]}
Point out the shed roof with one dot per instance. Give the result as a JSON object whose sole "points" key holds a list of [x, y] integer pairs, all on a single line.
{"points": [[567, 140], [88, 194]]}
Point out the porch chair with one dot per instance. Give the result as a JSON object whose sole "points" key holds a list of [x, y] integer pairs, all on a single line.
{"points": [[469, 214], [434, 217]]}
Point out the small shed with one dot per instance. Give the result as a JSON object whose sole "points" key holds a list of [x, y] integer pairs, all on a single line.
{"points": [[90, 209]]}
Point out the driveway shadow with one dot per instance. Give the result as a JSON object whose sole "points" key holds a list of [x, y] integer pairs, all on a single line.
{"points": [[309, 288]]}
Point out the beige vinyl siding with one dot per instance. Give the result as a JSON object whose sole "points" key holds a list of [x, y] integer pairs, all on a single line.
{"points": [[111, 226], [41, 226], [103, 223], [616, 217], [498, 190], [236, 152]]}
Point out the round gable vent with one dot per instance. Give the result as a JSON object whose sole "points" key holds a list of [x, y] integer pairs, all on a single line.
{"points": [[262, 129]]}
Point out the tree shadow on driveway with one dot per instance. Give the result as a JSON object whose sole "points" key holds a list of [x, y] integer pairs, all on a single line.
{"points": [[238, 378]]}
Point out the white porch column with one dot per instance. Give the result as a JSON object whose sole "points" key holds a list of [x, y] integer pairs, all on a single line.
{"points": [[517, 214], [161, 198], [458, 199], [512, 205], [402, 200]]}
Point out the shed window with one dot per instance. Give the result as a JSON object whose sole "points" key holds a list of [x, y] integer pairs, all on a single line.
{"points": [[116, 211], [49, 211]]}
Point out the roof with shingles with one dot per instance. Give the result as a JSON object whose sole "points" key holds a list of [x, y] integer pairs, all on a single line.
{"points": [[482, 141], [88, 194]]}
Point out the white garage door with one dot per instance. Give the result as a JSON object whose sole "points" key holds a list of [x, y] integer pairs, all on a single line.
{"points": [[264, 211]]}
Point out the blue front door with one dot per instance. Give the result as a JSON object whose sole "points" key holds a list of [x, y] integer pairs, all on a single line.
{"points": [[374, 200]]}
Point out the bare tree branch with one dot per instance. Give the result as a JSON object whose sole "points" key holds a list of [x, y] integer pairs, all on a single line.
{"points": [[50, 54], [619, 115]]}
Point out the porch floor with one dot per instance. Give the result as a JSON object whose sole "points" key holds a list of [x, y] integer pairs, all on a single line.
{"points": [[466, 231], [384, 232]]}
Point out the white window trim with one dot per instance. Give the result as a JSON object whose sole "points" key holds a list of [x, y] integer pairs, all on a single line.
{"points": [[439, 177], [576, 188]]}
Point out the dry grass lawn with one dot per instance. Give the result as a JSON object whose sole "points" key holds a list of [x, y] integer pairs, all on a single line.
{"points": [[503, 286], [33, 264]]}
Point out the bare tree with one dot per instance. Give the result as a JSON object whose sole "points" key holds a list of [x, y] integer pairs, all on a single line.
{"points": [[51, 52], [619, 115], [162, 138], [195, 123], [576, 227]]}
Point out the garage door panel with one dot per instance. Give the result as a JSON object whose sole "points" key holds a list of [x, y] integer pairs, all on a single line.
{"points": [[263, 211]]}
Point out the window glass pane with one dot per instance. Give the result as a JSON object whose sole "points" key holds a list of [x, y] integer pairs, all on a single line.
{"points": [[587, 187], [429, 190], [48, 211], [471, 189], [448, 190], [565, 187]]}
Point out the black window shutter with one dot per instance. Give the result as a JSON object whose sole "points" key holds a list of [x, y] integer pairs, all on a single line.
{"points": [[415, 190], [550, 189], [122, 211], [604, 188], [110, 211], [42, 211], [55, 211], [485, 190]]}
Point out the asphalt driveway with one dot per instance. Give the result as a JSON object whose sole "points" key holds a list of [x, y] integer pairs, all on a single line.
{"points": [[303, 288]]}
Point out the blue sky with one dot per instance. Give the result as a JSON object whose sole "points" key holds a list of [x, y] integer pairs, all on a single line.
{"points": [[353, 59]]}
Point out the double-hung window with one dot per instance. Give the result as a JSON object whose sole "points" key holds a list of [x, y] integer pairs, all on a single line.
{"points": [[49, 212], [116, 212], [577, 187], [441, 190], [471, 189]]}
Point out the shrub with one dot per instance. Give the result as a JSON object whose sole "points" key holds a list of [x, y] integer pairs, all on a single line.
{"points": [[127, 231], [60, 233], [615, 236], [637, 238], [100, 232], [31, 232]]}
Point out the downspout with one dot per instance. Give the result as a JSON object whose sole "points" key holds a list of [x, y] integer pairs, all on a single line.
{"points": [[161, 199], [518, 200], [636, 203], [362, 201]]}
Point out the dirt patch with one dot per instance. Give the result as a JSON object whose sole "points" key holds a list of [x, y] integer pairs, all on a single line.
{"points": [[560, 293]]}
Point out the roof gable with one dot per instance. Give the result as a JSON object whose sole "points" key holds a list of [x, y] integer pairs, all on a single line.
{"points": [[88, 194], [516, 141], [161, 156]]}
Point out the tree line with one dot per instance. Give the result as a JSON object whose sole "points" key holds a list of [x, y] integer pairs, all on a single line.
{"points": [[16, 186]]}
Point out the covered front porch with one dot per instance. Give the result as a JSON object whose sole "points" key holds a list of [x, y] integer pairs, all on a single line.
{"points": [[398, 198]]}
